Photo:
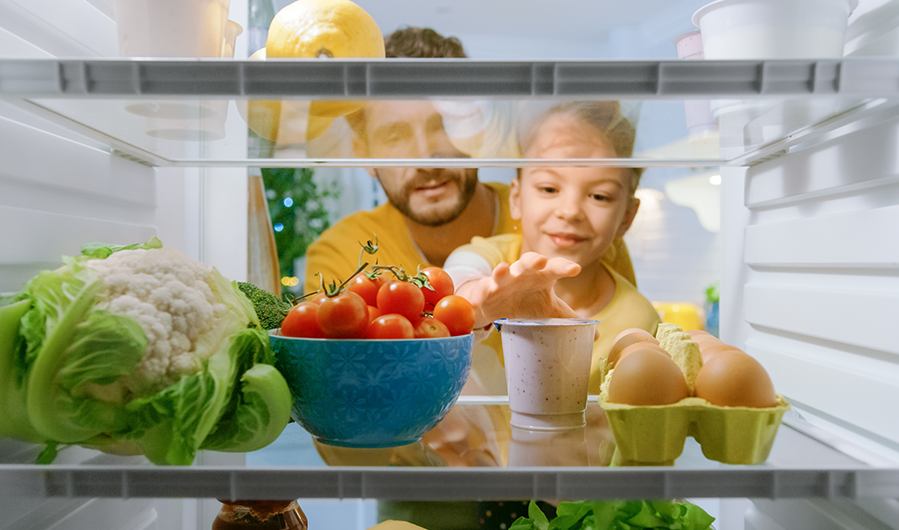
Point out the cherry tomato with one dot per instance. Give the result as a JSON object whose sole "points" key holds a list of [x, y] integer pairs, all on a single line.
{"points": [[390, 326], [302, 321], [364, 287], [318, 299], [373, 312], [344, 316], [430, 327], [442, 284], [457, 313], [403, 298]]}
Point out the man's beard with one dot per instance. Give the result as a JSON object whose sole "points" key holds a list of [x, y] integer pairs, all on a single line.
{"points": [[467, 182]]}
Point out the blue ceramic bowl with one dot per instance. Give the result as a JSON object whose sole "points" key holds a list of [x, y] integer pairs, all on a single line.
{"points": [[372, 393]]}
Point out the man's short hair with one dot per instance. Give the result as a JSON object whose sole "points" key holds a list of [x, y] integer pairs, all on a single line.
{"points": [[422, 42], [412, 42]]}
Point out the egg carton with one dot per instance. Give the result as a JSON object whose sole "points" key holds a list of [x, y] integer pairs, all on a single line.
{"points": [[655, 435]]}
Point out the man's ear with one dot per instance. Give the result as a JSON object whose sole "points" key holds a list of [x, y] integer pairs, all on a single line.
{"points": [[629, 216], [360, 150], [515, 198]]}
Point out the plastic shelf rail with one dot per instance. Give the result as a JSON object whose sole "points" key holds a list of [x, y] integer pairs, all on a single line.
{"points": [[447, 484], [395, 78]]}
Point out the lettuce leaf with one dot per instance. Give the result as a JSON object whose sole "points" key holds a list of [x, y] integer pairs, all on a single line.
{"points": [[617, 515]]}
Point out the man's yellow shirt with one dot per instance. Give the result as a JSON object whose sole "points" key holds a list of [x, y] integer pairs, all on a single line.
{"points": [[335, 254]]}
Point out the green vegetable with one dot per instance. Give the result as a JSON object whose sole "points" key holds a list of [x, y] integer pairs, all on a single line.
{"points": [[137, 350], [712, 294], [270, 309], [617, 515]]}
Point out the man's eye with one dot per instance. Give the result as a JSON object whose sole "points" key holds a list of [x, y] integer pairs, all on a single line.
{"points": [[393, 134], [392, 137]]}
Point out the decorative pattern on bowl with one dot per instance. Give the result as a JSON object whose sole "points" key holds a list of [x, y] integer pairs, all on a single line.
{"points": [[372, 393]]}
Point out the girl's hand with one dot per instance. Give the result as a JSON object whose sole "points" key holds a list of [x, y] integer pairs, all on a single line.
{"points": [[521, 290]]}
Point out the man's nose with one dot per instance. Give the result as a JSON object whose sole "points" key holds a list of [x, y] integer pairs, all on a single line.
{"points": [[422, 147], [437, 144], [425, 144]]}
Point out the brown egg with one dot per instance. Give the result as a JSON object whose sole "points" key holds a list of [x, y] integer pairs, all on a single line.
{"points": [[627, 338], [637, 346], [732, 378], [709, 348], [647, 377], [699, 336]]}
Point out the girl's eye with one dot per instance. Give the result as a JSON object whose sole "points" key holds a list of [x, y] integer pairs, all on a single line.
{"points": [[600, 197], [546, 189]]}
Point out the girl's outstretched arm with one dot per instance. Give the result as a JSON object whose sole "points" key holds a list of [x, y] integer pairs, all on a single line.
{"points": [[523, 289]]}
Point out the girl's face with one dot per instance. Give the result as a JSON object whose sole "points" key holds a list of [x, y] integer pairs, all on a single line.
{"points": [[572, 212]]}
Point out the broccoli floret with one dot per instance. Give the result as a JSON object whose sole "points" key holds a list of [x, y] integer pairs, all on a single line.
{"points": [[270, 309]]}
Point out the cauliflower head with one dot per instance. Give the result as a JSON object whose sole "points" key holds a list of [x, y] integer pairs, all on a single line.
{"points": [[170, 297]]}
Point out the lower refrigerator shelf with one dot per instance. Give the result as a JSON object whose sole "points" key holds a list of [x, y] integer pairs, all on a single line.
{"points": [[417, 484], [804, 463]]}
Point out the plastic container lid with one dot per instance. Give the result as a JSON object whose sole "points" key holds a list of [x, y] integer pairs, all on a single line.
{"points": [[546, 321], [702, 11]]}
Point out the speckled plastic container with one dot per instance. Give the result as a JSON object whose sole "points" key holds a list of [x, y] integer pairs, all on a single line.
{"points": [[655, 435]]}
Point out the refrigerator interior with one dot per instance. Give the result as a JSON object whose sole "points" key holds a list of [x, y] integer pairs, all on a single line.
{"points": [[801, 233]]}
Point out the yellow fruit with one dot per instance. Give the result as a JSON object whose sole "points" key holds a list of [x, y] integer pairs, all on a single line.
{"points": [[283, 122], [395, 525], [325, 29]]}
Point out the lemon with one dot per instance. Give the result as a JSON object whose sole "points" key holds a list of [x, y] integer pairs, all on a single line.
{"points": [[284, 122], [325, 29]]}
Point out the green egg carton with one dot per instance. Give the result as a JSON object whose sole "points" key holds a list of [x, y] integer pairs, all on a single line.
{"points": [[655, 435]]}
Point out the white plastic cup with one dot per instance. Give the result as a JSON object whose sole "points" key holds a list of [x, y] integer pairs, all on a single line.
{"points": [[689, 45], [700, 120], [565, 448], [171, 28], [547, 371], [769, 29], [189, 120], [463, 119], [232, 31], [207, 124], [773, 29]]}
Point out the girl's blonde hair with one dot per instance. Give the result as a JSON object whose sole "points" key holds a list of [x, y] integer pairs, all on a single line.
{"points": [[603, 116]]}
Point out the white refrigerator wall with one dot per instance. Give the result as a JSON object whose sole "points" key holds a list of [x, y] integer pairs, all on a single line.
{"points": [[810, 287]]}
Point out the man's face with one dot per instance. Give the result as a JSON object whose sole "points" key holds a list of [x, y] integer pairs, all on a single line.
{"points": [[409, 130]]}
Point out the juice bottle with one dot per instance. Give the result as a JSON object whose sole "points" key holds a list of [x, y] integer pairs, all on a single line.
{"points": [[260, 515]]}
